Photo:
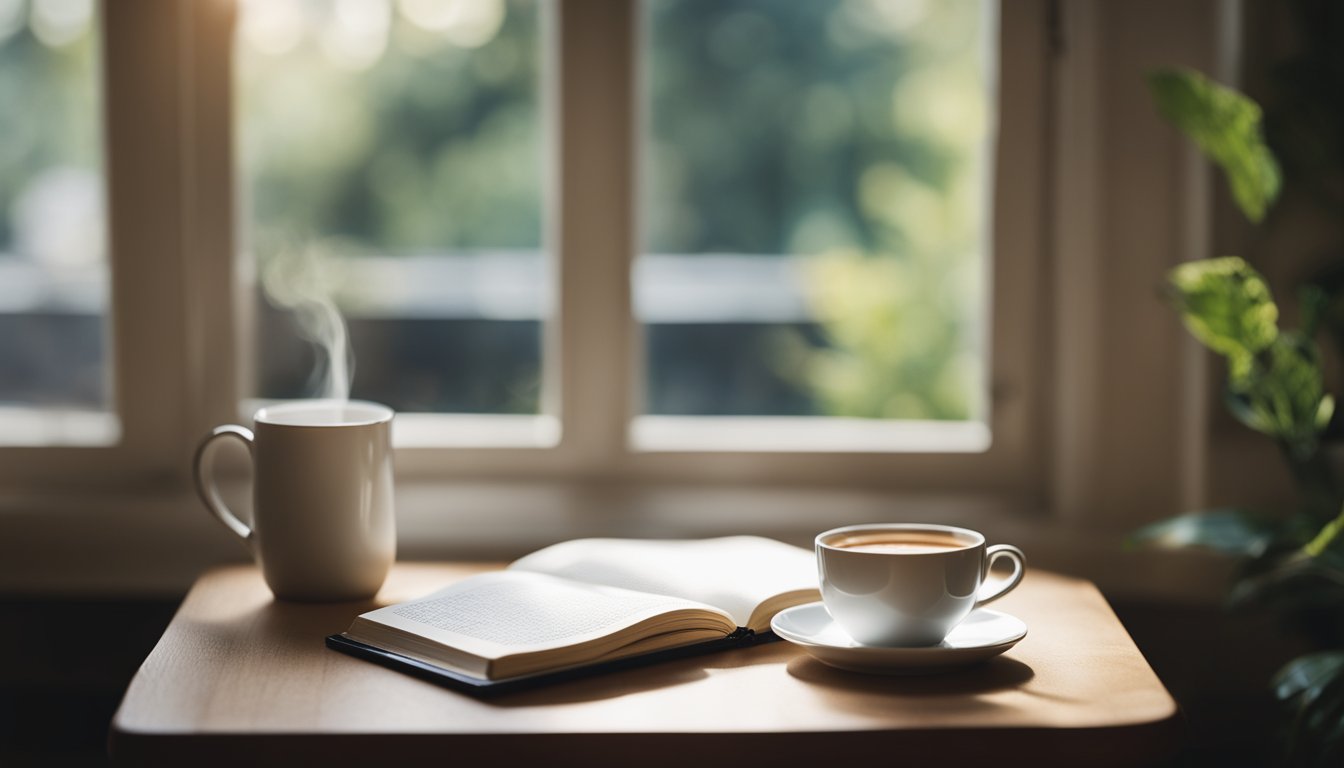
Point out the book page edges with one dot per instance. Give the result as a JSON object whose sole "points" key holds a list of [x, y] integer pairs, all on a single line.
{"points": [[656, 632], [531, 664], [419, 645], [737, 574], [766, 610]]}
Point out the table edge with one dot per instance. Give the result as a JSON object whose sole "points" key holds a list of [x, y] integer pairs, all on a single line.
{"points": [[1126, 744]]}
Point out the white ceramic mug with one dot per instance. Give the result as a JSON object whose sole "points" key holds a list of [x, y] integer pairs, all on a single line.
{"points": [[900, 584], [322, 517]]}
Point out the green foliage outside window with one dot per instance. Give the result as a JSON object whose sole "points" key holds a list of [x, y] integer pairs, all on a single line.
{"points": [[434, 147], [849, 136], [853, 136]]}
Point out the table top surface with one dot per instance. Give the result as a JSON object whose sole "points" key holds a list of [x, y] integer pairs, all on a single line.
{"points": [[235, 665]]}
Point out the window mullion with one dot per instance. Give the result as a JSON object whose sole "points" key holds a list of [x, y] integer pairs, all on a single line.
{"points": [[143, 98], [208, 225], [592, 340]]}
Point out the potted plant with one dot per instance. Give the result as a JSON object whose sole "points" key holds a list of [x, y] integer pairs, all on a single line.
{"points": [[1292, 559]]}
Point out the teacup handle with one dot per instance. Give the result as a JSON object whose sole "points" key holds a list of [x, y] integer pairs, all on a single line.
{"points": [[989, 593], [204, 471]]}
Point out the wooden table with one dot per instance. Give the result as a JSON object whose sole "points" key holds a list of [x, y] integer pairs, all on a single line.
{"points": [[238, 678]]}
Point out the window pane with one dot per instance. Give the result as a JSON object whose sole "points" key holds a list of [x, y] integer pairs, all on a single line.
{"points": [[392, 163], [53, 258], [815, 207]]}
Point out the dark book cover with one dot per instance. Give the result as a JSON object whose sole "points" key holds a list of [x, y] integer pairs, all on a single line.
{"points": [[476, 686]]}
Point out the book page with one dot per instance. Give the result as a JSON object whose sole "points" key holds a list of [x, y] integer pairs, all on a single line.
{"points": [[509, 612], [735, 573]]}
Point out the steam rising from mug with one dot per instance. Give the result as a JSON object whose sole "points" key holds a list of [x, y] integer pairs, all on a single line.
{"points": [[302, 280]]}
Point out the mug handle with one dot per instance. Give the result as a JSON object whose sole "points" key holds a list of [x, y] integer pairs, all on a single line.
{"points": [[1005, 585], [204, 472]]}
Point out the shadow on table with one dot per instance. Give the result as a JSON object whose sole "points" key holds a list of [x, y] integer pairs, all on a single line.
{"points": [[657, 675], [263, 612], [608, 686], [963, 685], [992, 676]]}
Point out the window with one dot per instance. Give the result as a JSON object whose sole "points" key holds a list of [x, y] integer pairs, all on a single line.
{"points": [[391, 172], [571, 240], [814, 217], [1084, 395], [55, 382]]}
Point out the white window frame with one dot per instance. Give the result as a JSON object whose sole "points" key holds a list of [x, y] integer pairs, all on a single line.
{"points": [[180, 314], [155, 311], [1079, 244], [591, 427]]}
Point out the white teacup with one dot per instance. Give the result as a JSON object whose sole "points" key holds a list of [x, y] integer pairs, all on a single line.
{"points": [[899, 584], [322, 515]]}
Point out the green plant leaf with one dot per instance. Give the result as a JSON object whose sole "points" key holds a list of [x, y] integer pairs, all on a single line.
{"points": [[1275, 383], [1323, 710], [1315, 303], [1232, 530], [1314, 686], [1227, 127], [1324, 412], [1281, 392], [1227, 305], [1294, 583], [1306, 676], [1329, 533], [1325, 719]]}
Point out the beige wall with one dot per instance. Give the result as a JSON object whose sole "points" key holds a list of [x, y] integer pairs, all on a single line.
{"points": [[1132, 201], [1297, 239]]}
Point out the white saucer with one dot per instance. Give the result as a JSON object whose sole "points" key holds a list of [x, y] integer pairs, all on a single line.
{"points": [[983, 635]]}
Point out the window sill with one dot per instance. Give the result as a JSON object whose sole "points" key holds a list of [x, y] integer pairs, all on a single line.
{"points": [[157, 545], [767, 434], [66, 427], [443, 430]]}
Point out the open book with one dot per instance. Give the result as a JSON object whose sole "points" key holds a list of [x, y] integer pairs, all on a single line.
{"points": [[574, 607]]}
